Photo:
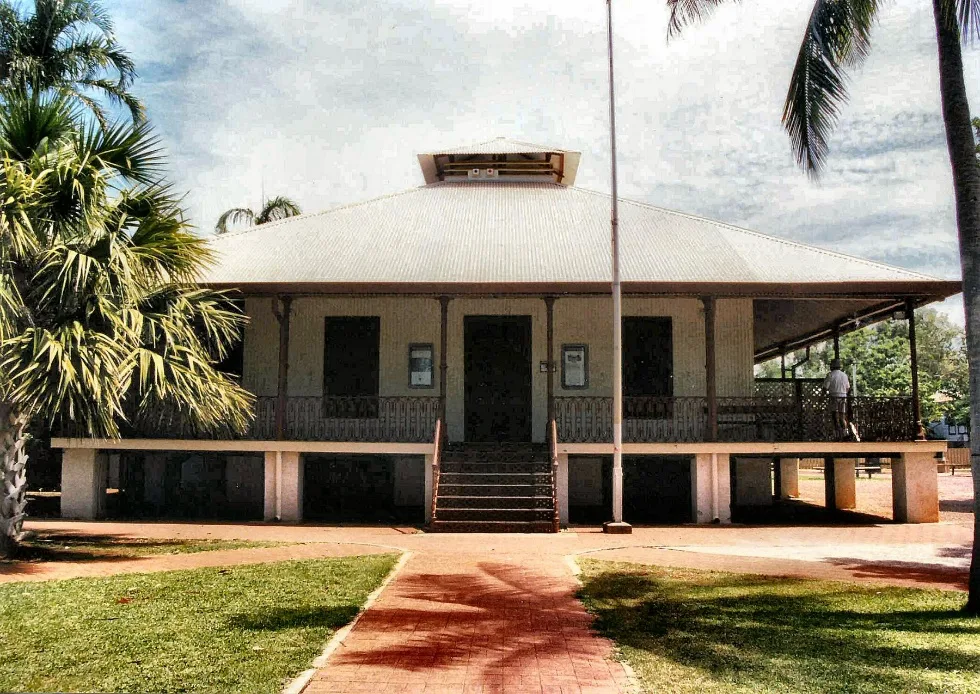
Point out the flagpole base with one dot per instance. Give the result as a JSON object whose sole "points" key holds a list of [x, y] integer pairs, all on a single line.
{"points": [[613, 528]]}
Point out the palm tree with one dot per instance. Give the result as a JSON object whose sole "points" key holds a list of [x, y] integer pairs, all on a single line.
{"points": [[837, 38], [101, 322], [68, 46], [272, 211]]}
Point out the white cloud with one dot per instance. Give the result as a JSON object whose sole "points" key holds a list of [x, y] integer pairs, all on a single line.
{"points": [[329, 101]]}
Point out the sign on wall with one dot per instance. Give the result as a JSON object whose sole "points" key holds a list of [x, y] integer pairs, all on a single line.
{"points": [[575, 366], [420, 366]]}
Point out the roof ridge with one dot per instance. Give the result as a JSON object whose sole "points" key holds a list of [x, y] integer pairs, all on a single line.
{"points": [[309, 215], [770, 237], [495, 182], [472, 145]]}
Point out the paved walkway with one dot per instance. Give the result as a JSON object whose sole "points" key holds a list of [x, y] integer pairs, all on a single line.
{"points": [[452, 623]]}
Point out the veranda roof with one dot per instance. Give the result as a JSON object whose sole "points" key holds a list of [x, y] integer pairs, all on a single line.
{"points": [[509, 237]]}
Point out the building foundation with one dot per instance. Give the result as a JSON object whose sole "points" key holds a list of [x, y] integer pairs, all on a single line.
{"points": [[561, 489], [915, 488], [283, 486], [84, 475], [840, 483], [711, 488], [789, 478]]}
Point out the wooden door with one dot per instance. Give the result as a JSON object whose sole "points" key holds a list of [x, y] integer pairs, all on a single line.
{"points": [[497, 378]]}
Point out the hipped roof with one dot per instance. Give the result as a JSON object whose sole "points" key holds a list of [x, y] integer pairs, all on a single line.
{"points": [[504, 237], [506, 234]]}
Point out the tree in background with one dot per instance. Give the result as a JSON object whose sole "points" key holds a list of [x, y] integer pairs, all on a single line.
{"points": [[836, 39], [880, 355], [68, 46], [273, 210], [101, 322]]}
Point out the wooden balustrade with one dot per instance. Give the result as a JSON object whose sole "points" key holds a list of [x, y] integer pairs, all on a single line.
{"points": [[776, 417], [410, 419]]}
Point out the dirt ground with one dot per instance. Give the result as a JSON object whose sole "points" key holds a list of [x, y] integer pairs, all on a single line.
{"points": [[874, 496]]}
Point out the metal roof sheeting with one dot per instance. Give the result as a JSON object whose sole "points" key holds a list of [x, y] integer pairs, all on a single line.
{"points": [[507, 232]]}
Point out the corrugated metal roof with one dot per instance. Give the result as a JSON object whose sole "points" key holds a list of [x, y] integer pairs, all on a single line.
{"points": [[503, 232], [499, 145]]}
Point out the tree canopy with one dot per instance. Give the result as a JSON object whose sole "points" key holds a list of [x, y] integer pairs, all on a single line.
{"points": [[273, 210], [880, 357], [68, 46], [101, 322]]}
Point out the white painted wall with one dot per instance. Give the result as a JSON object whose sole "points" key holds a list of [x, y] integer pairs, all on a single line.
{"points": [[407, 320]]}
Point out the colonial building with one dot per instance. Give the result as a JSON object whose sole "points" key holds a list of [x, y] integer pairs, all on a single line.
{"points": [[444, 355]]}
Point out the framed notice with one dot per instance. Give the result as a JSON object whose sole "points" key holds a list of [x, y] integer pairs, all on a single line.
{"points": [[574, 366], [420, 366]]}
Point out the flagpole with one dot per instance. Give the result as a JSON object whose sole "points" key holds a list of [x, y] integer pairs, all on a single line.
{"points": [[617, 524]]}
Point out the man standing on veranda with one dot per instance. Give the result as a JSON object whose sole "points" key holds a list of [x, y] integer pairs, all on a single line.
{"points": [[837, 386]]}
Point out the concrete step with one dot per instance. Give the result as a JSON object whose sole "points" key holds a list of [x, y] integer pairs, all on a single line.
{"points": [[495, 452], [468, 478], [493, 502], [485, 466], [523, 515], [455, 526], [447, 488]]}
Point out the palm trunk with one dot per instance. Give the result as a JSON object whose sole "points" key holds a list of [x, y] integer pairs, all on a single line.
{"points": [[13, 468], [966, 185]]}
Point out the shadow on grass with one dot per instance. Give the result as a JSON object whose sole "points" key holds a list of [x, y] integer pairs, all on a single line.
{"points": [[66, 546], [282, 618], [920, 572], [784, 634]]}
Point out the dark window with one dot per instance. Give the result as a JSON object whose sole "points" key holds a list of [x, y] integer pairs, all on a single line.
{"points": [[648, 367], [351, 366], [234, 362]]}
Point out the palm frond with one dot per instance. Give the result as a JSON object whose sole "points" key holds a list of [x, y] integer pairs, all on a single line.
{"points": [[116, 93], [20, 205], [235, 215], [72, 373], [166, 250], [277, 208], [67, 45], [966, 14], [685, 12], [99, 320], [130, 151], [216, 321], [31, 121], [837, 36]]}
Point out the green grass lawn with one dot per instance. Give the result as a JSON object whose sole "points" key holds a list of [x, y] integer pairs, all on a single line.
{"points": [[704, 632], [242, 629], [54, 546]]}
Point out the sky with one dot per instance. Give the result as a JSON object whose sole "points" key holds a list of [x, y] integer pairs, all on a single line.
{"points": [[329, 101]]}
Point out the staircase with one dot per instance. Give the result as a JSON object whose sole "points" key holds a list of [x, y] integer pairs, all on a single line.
{"points": [[494, 487]]}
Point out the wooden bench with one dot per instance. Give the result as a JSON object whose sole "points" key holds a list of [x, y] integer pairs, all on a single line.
{"points": [[870, 469], [952, 467]]}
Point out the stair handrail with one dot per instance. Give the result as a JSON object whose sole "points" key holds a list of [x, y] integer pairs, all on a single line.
{"points": [[553, 437], [436, 454]]}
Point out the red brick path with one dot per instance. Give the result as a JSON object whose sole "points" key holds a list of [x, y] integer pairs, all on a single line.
{"points": [[452, 623]]}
